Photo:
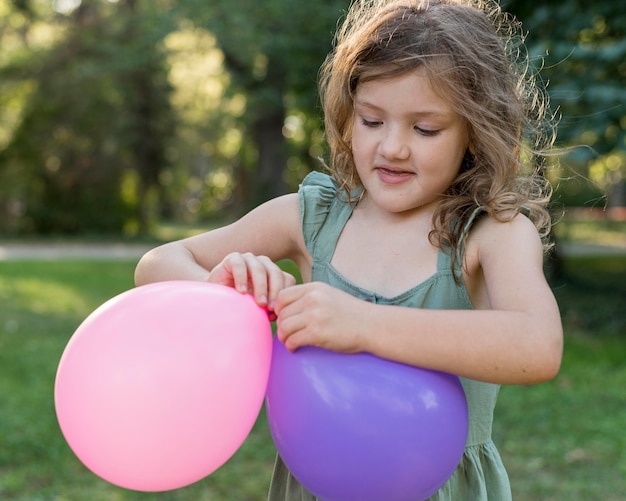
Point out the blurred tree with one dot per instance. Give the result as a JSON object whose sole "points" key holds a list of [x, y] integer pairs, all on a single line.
{"points": [[150, 123], [272, 51], [582, 46], [89, 145], [100, 127]]}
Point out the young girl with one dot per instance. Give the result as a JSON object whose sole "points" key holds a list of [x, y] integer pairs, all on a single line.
{"points": [[424, 244]]}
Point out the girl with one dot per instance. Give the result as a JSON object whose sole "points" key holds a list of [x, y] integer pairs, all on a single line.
{"points": [[424, 245]]}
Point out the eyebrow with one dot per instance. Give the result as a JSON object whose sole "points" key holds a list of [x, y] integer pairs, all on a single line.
{"points": [[419, 113]]}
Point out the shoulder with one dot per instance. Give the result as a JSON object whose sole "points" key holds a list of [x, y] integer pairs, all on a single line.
{"points": [[498, 252], [279, 216], [488, 231], [272, 229], [512, 241], [277, 224]]}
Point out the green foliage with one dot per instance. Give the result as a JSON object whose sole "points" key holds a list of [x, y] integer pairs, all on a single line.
{"points": [[100, 131], [581, 49], [272, 52], [99, 106], [593, 276]]}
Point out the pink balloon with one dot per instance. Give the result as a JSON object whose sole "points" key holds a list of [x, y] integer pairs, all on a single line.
{"points": [[161, 385]]}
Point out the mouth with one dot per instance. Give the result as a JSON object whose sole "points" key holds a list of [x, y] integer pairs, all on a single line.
{"points": [[391, 175]]}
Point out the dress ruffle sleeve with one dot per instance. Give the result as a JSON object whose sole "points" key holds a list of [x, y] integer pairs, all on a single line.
{"points": [[319, 194]]}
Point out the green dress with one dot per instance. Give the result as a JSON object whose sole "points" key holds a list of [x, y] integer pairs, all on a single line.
{"points": [[480, 475]]}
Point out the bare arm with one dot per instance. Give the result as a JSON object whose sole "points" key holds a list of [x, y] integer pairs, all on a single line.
{"points": [[240, 255], [513, 337]]}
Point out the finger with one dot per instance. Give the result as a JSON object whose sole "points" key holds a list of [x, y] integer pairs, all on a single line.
{"points": [[273, 276], [296, 335], [292, 322], [235, 265], [287, 296], [278, 280], [257, 276]]}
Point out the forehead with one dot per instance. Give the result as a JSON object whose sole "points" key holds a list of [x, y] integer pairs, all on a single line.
{"points": [[414, 92], [440, 70]]}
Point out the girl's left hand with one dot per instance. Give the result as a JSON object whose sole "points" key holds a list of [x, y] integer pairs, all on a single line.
{"points": [[320, 315]]}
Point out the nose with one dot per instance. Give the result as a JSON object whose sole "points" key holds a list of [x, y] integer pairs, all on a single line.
{"points": [[394, 144]]}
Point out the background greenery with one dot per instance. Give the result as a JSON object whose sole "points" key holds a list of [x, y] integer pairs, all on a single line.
{"points": [[116, 114]]}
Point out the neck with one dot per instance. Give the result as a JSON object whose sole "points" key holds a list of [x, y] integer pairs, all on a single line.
{"points": [[376, 214]]}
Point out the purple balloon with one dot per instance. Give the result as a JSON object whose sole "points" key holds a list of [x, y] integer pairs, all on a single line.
{"points": [[358, 427]]}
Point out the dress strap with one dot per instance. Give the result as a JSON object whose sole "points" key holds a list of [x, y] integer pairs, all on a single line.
{"points": [[443, 259], [325, 244], [466, 230], [324, 209], [472, 218]]}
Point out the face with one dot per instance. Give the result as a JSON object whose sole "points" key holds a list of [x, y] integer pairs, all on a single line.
{"points": [[407, 142]]}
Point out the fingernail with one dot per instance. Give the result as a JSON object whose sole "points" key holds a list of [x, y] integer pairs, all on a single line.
{"points": [[263, 300]]}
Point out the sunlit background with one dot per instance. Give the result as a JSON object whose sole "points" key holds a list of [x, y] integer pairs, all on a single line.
{"points": [[116, 114]]}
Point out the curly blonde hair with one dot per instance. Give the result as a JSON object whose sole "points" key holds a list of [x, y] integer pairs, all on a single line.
{"points": [[474, 54]]}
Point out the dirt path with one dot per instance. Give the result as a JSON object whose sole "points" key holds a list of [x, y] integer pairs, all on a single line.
{"points": [[587, 249], [57, 251], [54, 251]]}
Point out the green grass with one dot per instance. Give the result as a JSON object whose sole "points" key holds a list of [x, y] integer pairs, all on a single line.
{"points": [[42, 304], [563, 440]]}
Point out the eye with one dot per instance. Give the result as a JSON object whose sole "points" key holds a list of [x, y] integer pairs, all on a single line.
{"points": [[370, 123], [427, 132]]}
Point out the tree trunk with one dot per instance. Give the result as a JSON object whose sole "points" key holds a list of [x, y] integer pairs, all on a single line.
{"points": [[268, 137]]}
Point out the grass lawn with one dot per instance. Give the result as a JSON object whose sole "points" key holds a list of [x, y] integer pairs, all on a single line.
{"points": [[563, 440]]}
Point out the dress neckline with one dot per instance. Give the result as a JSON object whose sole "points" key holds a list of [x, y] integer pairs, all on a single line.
{"points": [[442, 270]]}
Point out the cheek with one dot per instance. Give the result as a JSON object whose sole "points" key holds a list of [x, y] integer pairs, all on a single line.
{"points": [[355, 140], [360, 148], [450, 154]]}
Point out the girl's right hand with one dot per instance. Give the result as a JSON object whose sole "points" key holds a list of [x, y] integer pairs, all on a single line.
{"points": [[256, 275]]}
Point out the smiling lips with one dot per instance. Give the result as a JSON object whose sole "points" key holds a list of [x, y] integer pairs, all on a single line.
{"points": [[389, 175]]}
